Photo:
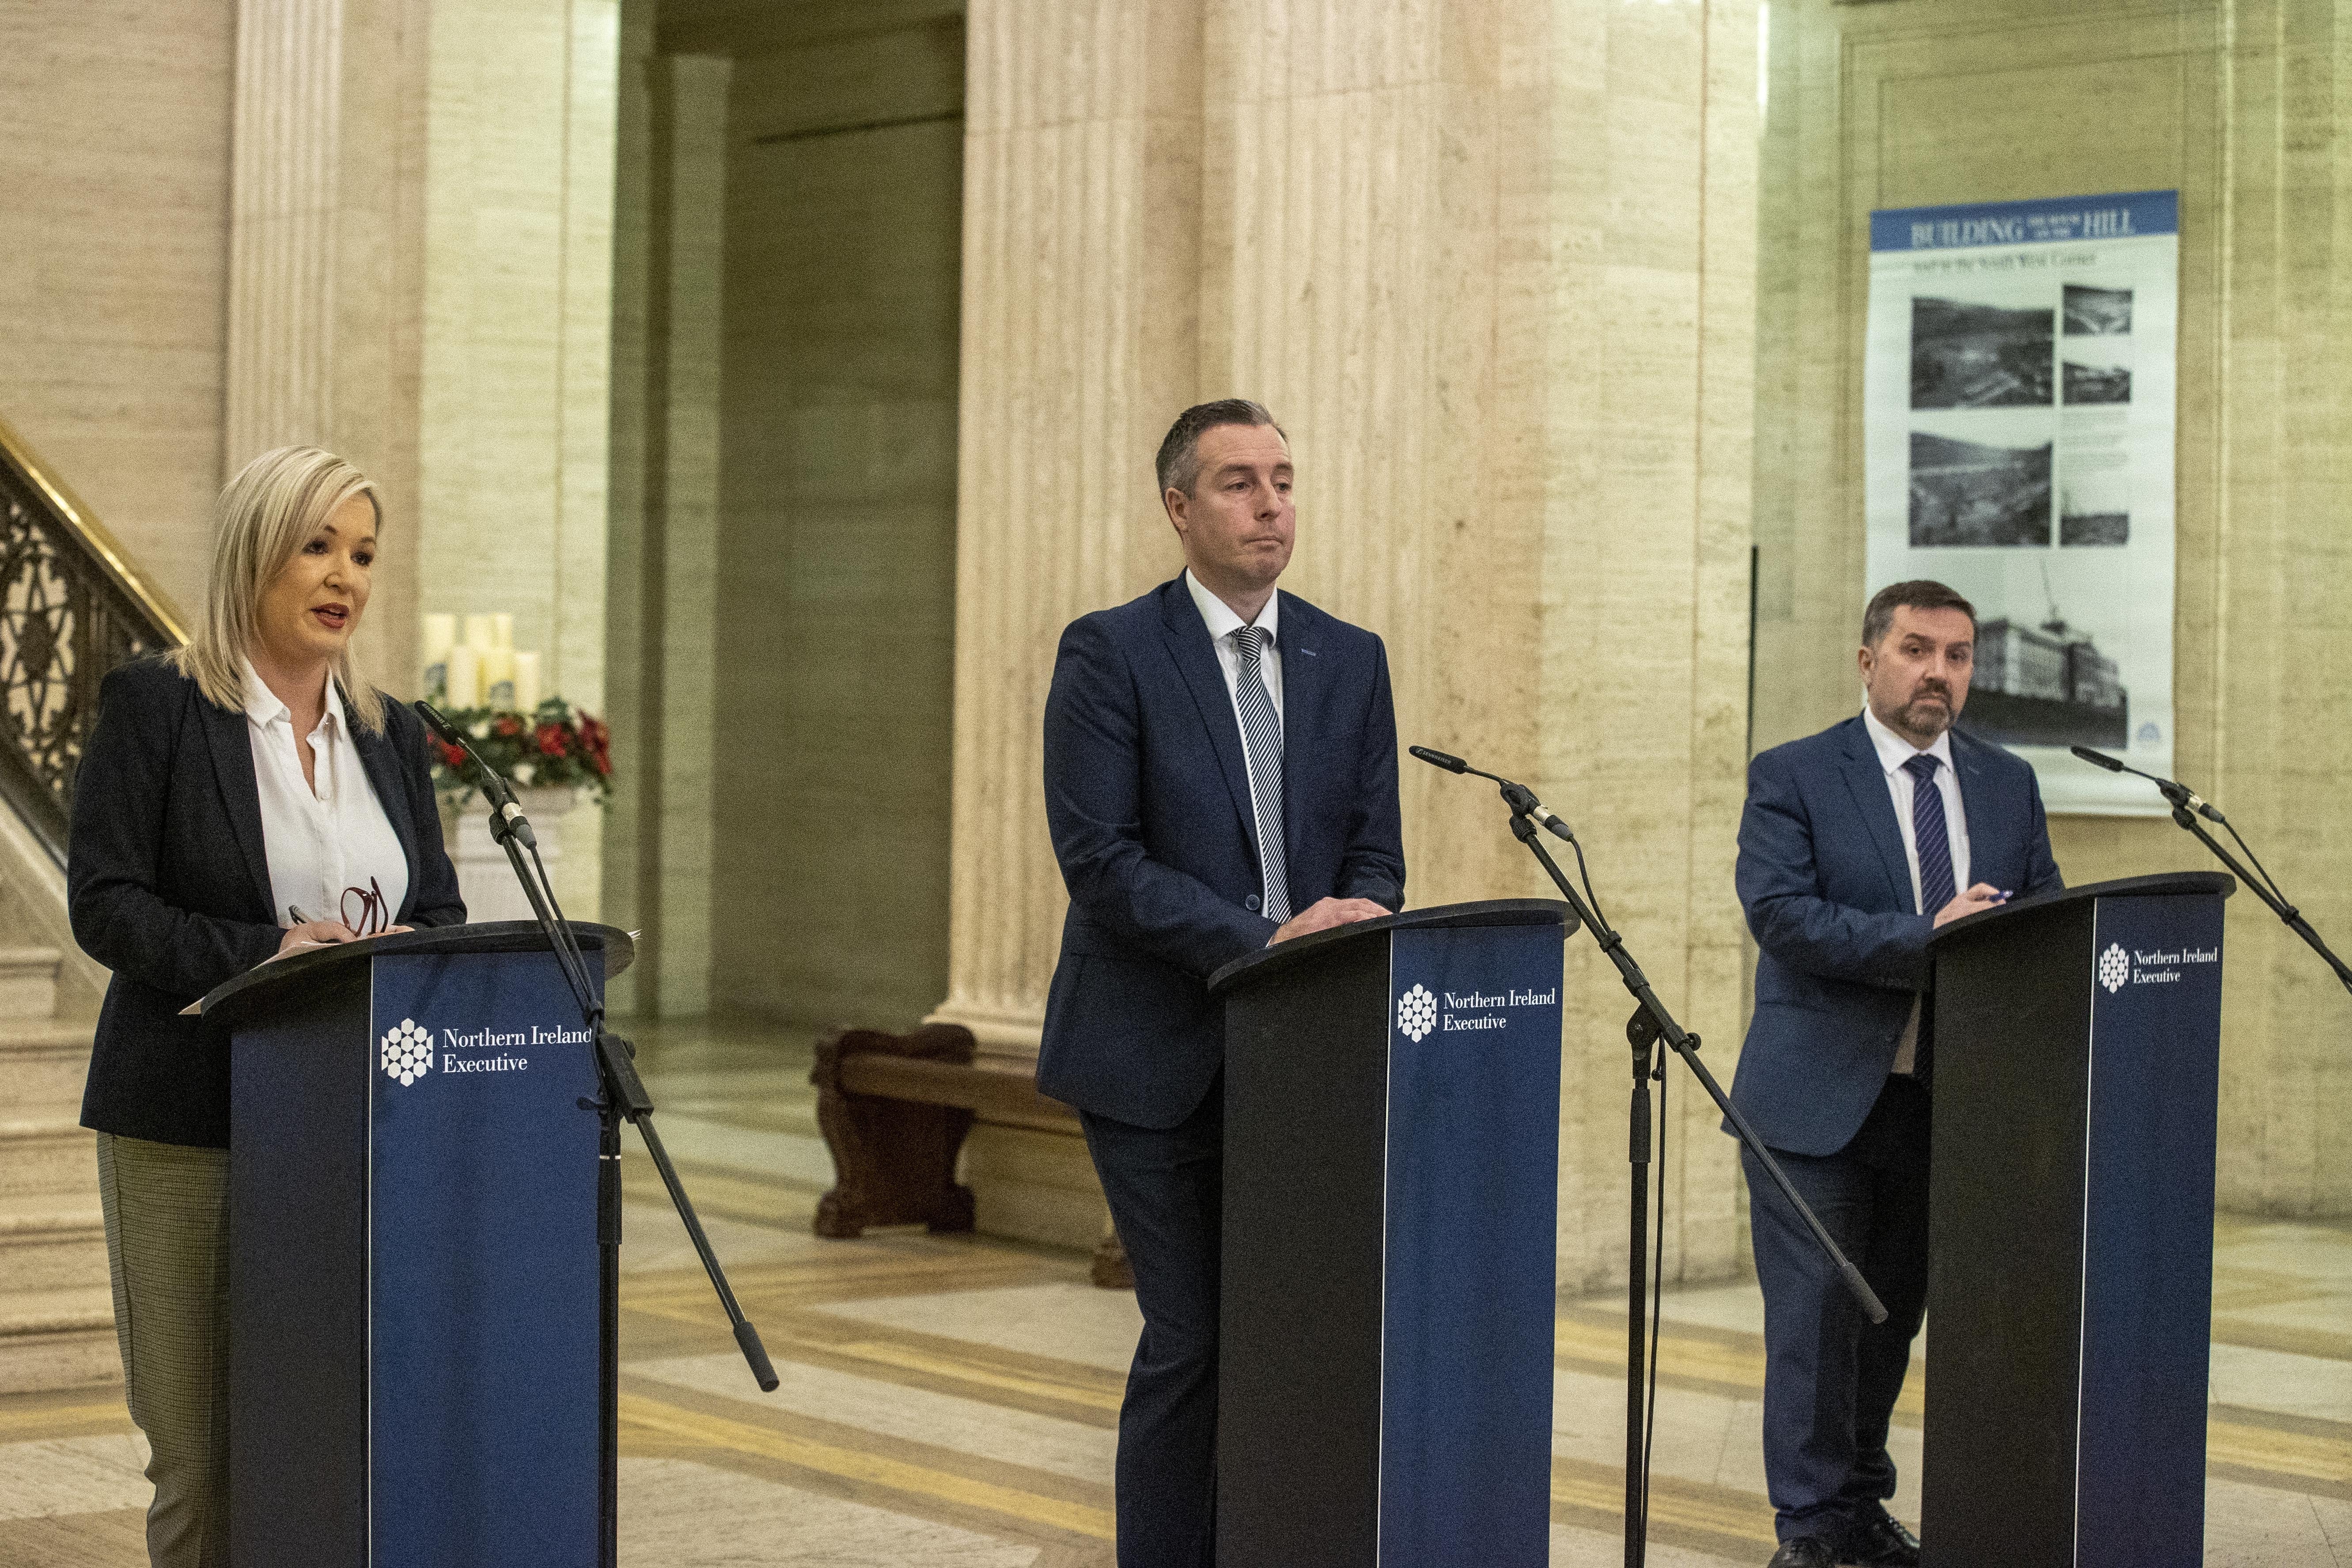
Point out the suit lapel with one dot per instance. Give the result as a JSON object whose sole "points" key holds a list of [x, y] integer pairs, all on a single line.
{"points": [[380, 760], [1867, 782], [232, 749], [1196, 660], [1303, 686], [1976, 808]]}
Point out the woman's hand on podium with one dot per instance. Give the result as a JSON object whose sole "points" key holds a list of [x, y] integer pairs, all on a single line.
{"points": [[1325, 913], [312, 933]]}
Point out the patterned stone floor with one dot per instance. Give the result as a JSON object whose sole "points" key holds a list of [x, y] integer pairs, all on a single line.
{"points": [[953, 1401]]}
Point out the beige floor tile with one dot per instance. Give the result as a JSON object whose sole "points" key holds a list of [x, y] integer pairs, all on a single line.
{"points": [[675, 1513], [1068, 1322], [73, 1475], [912, 1414]]}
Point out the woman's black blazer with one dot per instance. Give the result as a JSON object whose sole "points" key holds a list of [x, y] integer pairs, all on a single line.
{"points": [[168, 887]]}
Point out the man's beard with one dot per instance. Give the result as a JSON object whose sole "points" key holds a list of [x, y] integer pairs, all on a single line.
{"points": [[1929, 711]]}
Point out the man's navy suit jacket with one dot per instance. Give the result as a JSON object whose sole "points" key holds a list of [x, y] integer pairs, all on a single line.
{"points": [[1149, 802], [1827, 889]]}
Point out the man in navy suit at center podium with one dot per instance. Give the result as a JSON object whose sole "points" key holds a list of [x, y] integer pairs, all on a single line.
{"points": [[1855, 844], [1221, 773]]}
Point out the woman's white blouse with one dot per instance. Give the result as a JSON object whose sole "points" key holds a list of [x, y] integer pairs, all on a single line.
{"points": [[320, 841]]}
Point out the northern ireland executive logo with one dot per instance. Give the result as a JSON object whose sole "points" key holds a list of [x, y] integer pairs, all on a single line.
{"points": [[1416, 1013], [2114, 967], [408, 1051]]}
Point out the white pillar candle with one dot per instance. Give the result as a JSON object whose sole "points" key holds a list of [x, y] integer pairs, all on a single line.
{"points": [[482, 634], [497, 666], [464, 685], [526, 682], [502, 631]]}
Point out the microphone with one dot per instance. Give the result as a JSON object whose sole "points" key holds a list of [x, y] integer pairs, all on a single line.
{"points": [[506, 815], [1520, 798], [2179, 794]]}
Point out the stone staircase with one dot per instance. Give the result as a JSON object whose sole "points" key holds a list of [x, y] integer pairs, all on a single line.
{"points": [[56, 1315]]}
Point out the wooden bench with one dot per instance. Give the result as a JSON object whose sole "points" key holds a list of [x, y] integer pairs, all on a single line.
{"points": [[895, 1111]]}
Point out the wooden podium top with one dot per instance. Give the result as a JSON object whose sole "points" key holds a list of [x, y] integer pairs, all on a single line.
{"points": [[2220, 884], [1252, 967], [233, 1000]]}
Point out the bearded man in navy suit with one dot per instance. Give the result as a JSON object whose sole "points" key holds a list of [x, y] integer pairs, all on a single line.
{"points": [[1221, 773], [1855, 844]]}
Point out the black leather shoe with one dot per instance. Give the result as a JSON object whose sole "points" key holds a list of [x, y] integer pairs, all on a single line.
{"points": [[1804, 1552], [1882, 1543]]}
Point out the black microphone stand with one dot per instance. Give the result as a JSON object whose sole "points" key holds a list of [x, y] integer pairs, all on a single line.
{"points": [[1650, 1023], [622, 1095], [2187, 807]]}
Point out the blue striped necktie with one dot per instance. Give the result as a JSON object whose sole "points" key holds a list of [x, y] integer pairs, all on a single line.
{"points": [[1934, 838], [1262, 735]]}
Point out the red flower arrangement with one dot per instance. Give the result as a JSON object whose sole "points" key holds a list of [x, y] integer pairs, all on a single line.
{"points": [[556, 746]]}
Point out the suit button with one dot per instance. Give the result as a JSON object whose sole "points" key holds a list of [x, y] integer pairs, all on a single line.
{"points": [[1250, 902]]}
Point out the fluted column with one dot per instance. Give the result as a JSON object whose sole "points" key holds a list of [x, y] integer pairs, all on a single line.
{"points": [[325, 264], [1492, 268], [285, 181], [1080, 266]]}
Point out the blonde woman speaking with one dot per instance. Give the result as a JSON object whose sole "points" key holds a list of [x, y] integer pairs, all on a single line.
{"points": [[244, 796]]}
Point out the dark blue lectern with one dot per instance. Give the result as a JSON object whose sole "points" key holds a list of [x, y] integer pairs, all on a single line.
{"points": [[1392, 1172], [414, 1273], [2070, 1295]]}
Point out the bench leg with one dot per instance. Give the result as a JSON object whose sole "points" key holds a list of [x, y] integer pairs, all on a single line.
{"points": [[894, 1161]]}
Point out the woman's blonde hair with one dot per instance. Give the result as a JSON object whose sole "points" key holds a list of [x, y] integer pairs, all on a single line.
{"points": [[265, 514]]}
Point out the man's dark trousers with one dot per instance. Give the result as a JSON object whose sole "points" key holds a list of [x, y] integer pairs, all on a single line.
{"points": [[1167, 1194], [1831, 1377], [1148, 799]]}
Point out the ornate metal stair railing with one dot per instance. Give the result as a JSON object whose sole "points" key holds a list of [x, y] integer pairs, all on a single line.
{"points": [[72, 608]]}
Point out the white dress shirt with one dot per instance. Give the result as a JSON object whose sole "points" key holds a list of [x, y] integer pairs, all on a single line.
{"points": [[1223, 624], [1893, 751], [319, 841]]}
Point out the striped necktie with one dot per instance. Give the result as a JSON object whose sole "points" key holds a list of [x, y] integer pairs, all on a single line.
{"points": [[1262, 736], [1934, 838]]}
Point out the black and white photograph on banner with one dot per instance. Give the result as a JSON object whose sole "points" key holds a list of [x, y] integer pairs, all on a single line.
{"points": [[1979, 492], [1971, 353]]}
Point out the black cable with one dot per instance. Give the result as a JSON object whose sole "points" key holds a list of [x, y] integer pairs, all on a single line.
{"points": [[2276, 891]]}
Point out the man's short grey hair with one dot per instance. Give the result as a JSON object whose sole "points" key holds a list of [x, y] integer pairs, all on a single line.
{"points": [[1180, 453], [1919, 593]]}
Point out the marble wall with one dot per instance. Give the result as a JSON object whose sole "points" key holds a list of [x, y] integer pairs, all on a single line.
{"points": [[115, 152], [2240, 107], [1493, 271], [836, 547], [784, 493]]}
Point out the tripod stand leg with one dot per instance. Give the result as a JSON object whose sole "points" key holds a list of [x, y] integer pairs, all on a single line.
{"points": [[1637, 1527]]}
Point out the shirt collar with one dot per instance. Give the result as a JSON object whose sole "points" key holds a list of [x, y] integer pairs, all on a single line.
{"points": [[1220, 617], [263, 707], [1893, 751]]}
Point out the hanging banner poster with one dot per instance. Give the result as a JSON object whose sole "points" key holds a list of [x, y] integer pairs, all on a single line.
{"points": [[2018, 434]]}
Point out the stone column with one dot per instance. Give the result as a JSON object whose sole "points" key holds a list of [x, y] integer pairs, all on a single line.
{"points": [[1492, 270], [1080, 278], [1080, 293], [1496, 272], [325, 265]]}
